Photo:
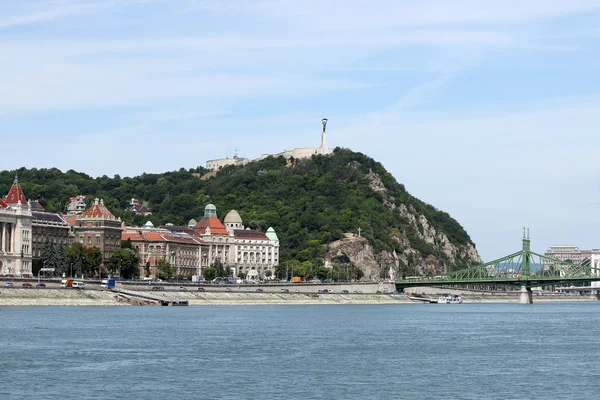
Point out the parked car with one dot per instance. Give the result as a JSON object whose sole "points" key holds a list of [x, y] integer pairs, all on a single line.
{"points": [[201, 289], [324, 291], [27, 285], [345, 291], [78, 285], [158, 288], [259, 290], [228, 289], [358, 292], [41, 284], [9, 284], [285, 290]]}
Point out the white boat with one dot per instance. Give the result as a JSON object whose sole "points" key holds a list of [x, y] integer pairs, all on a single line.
{"points": [[447, 298]]}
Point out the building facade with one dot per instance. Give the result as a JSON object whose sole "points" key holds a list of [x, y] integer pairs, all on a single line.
{"points": [[297, 153], [98, 227], [15, 233], [48, 225], [252, 252]]}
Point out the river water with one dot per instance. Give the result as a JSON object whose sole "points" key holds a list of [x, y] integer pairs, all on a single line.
{"points": [[467, 351]]}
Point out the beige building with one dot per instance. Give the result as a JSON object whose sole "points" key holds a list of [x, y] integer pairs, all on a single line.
{"points": [[297, 153], [180, 249], [15, 233], [98, 227], [252, 252]]}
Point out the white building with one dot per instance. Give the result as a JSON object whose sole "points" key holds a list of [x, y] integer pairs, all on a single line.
{"points": [[15, 233], [297, 153], [249, 251], [222, 162]]}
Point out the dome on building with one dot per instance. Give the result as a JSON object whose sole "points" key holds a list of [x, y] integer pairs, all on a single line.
{"points": [[271, 234], [210, 210], [192, 223], [233, 217], [149, 224]]}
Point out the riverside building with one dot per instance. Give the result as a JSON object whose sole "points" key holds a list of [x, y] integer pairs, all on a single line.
{"points": [[252, 252], [15, 233]]}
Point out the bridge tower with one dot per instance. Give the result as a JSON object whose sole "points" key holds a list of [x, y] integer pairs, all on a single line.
{"points": [[526, 296]]}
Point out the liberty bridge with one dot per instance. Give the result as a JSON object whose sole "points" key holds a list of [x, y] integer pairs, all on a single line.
{"points": [[524, 269]]}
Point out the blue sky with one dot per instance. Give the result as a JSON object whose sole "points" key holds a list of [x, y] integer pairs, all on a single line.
{"points": [[488, 110]]}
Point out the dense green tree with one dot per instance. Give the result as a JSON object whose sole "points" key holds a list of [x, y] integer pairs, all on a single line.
{"points": [[165, 271], [126, 262], [209, 273], [309, 202]]}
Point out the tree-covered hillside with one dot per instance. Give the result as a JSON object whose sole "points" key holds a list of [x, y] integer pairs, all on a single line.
{"points": [[308, 202]]}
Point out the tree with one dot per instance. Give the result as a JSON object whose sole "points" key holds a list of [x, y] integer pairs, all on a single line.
{"points": [[126, 262], [210, 273], [85, 260], [147, 269], [93, 260], [165, 271], [50, 256]]}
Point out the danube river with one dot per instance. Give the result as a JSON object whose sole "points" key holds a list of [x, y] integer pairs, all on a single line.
{"points": [[468, 351]]}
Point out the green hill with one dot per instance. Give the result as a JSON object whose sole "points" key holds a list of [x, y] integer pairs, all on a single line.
{"points": [[311, 203]]}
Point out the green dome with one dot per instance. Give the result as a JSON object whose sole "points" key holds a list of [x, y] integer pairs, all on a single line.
{"points": [[210, 210], [272, 235]]}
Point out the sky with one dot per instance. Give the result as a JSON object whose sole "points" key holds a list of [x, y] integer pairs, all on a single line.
{"points": [[487, 109]]}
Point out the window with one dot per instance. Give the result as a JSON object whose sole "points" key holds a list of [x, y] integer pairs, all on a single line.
{"points": [[97, 240], [89, 240]]}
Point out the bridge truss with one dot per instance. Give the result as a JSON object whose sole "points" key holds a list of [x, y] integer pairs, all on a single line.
{"points": [[523, 269]]}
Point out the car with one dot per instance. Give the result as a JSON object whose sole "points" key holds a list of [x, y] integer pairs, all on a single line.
{"points": [[285, 290], [9, 284], [27, 285], [345, 291], [228, 289], [41, 284], [158, 288], [259, 290], [78, 285], [386, 290], [324, 291], [357, 292], [201, 289]]}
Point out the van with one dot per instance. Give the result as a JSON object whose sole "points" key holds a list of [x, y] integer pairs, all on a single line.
{"points": [[78, 285]]}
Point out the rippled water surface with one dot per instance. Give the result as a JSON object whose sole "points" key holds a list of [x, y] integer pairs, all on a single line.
{"points": [[479, 351]]}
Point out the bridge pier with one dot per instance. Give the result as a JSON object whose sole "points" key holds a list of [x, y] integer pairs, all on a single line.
{"points": [[526, 296]]}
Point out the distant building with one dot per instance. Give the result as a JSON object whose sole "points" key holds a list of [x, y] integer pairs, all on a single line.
{"points": [[297, 153], [574, 255], [15, 233], [137, 207], [568, 253], [222, 162], [76, 205]]}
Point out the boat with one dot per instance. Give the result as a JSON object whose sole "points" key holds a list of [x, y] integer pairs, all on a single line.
{"points": [[447, 298]]}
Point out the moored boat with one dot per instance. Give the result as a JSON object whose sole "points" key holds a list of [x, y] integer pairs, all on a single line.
{"points": [[447, 298]]}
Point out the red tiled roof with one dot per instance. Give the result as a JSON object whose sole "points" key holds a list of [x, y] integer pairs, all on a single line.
{"points": [[216, 227], [3, 204], [141, 236], [15, 194], [70, 219], [249, 235], [98, 210]]}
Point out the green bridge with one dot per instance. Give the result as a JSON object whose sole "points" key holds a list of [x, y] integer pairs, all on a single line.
{"points": [[524, 269]]}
